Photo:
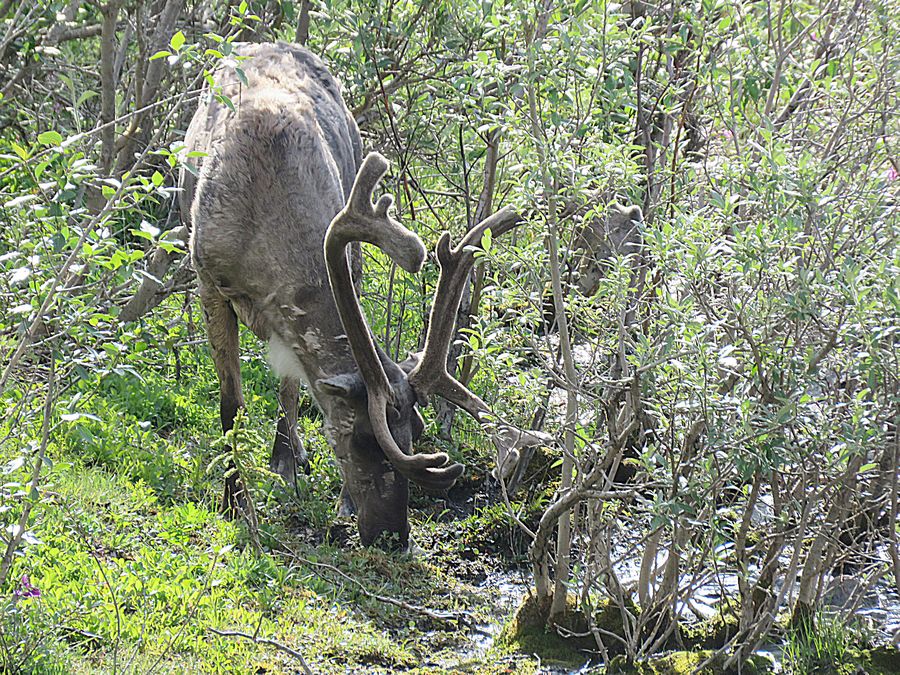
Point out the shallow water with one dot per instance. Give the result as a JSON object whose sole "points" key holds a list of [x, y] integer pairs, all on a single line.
{"points": [[509, 588], [880, 609]]}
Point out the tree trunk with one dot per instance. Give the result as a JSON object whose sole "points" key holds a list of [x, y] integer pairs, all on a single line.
{"points": [[302, 35], [108, 84], [564, 527]]}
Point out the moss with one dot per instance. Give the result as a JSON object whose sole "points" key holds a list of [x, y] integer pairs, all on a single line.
{"points": [[877, 661], [714, 632], [530, 631], [523, 666], [684, 663]]}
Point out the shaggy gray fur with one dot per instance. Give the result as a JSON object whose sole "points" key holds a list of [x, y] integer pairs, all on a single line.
{"points": [[277, 169]]}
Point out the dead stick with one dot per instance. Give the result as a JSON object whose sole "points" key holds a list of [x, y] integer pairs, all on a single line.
{"points": [[446, 617], [265, 641]]}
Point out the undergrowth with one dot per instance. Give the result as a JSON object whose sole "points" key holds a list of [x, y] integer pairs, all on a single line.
{"points": [[128, 566]]}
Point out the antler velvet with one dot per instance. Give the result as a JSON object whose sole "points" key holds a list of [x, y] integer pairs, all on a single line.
{"points": [[361, 221]]}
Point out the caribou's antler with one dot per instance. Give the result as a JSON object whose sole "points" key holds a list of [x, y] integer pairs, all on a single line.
{"points": [[361, 221], [430, 376]]}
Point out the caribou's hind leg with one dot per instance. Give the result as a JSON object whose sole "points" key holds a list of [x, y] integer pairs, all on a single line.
{"points": [[288, 452], [222, 328]]}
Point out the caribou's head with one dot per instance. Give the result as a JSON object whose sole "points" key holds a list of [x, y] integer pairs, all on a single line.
{"points": [[601, 239], [379, 423]]}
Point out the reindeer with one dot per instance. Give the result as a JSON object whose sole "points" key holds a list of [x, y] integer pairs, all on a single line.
{"points": [[276, 216]]}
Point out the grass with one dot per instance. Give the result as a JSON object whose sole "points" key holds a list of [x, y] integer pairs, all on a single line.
{"points": [[134, 565], [825, 645], [817, 644]]}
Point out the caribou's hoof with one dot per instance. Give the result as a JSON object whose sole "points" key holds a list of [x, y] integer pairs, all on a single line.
{"points": [[287, 459], [286, 470]]}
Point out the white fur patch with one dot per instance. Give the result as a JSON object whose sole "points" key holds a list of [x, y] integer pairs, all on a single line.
{"points": [[283, 360]]}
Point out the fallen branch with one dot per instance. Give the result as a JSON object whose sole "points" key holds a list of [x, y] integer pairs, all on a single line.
{"points": [[265, 641], [444, 617]]}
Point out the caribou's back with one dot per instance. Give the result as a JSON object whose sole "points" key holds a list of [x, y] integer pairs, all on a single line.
{"points": [[277, 169]]}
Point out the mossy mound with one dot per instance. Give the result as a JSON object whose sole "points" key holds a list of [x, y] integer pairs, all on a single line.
{"points": [[877, 661], [528, 632], [711, 633], [563, 639], [687, 663]]}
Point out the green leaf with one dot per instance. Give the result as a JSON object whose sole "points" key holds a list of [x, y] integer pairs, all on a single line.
{"points": [[177, 41], [157, 178], [486, 239], [86, 96], [226, 101], [50, 138], [160, 55], [171, 247], [142, 234], [20, 151]]}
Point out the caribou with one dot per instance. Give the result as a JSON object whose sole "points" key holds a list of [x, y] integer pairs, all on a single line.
{"points": [[280, 203]]}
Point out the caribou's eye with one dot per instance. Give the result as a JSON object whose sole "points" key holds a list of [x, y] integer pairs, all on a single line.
{"points": [[393, 414]]}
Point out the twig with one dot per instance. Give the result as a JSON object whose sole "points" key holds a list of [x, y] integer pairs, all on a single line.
{"points": [[444, 617], [31, 498], [265, 641]]}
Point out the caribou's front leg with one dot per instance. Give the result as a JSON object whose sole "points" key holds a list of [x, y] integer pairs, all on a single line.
{"points": [[288, 451], [222, 329]]}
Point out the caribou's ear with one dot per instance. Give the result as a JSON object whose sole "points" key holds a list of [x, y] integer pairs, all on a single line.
{"points": [[635, 213], [409, 365], [345, 385]]}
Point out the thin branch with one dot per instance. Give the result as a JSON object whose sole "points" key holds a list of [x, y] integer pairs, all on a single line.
{"points": [[265, 641], [31, 498]]}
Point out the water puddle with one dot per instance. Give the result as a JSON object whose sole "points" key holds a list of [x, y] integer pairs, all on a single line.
{"points": [[507, 589], [878, 606]]}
